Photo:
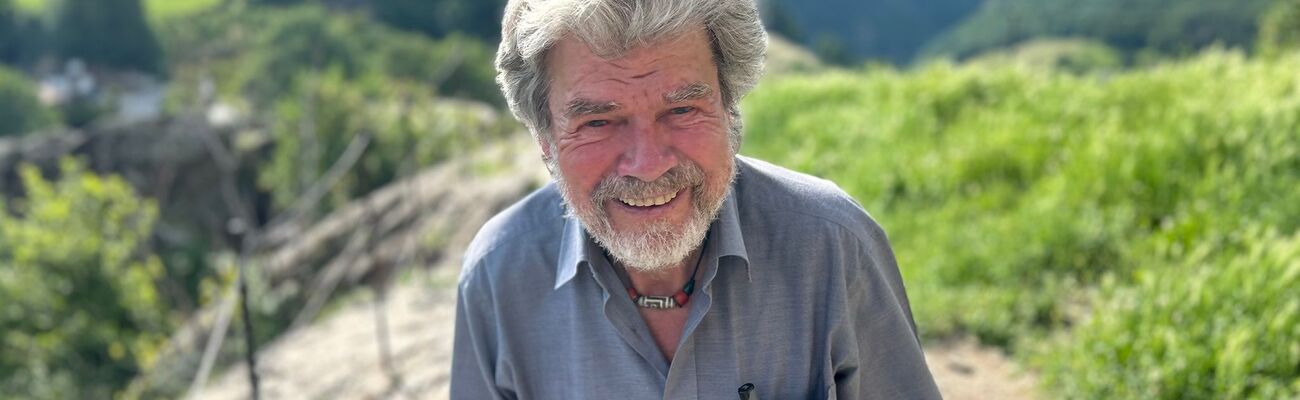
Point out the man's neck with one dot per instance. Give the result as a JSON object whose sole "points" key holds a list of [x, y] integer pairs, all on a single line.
{"points": [[663, 282]]}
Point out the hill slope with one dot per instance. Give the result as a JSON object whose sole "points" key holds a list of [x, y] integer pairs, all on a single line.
{"points": [[1170, 27]]}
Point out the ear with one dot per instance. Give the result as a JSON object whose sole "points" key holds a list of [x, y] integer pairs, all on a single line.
{"points": [[541, 144], [548, 157]]}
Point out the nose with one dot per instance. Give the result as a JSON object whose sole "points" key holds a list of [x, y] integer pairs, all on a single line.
{"points": [[649, 153]]}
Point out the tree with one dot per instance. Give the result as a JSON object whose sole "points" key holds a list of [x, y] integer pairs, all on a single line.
{"points": [[306, 38], [777, 18], [111, 33], [299, 41], [437, 18], [20, 111], [1279, 28], [8, 32], [21, 35]]}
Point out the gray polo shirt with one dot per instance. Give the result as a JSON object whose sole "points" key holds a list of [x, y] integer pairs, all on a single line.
{"points": [[800, 296]]}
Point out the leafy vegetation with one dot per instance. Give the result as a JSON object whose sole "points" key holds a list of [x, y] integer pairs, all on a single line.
{"points": [[164, 9], [110, 33], [1216, 325], [1279, 29], [877, 30], [1130, 233], [408, 130], [286, 42], [1158, 26], [155, 9], [20, 111], [21, 35], [79, 310], [433, 18], [439, 18], [309, 38], [1012, 193], [322, 79], [8, 31], [900, 32], [77, 275], [1068, 55]]}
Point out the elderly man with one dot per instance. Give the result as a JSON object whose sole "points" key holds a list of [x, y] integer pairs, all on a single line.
{"points": [[660, 264]]}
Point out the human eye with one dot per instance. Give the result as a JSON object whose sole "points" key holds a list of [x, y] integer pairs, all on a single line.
{"points": [[682, 110], [595, 123]]}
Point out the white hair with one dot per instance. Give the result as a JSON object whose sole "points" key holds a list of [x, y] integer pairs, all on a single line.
{"points": [[611, 28]]}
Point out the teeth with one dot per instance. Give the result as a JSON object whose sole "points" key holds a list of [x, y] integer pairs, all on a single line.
{"points": [[650, 201]]}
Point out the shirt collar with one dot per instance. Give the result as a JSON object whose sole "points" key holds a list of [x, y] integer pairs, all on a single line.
{"points": [[576, 247]]}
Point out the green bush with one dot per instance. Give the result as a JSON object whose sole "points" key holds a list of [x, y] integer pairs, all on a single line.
{"points": [[292, 41], [409, 127], [303, 39], [322, 77], [20, 111], [461, 66], [1010, 193], [1069, 55], [79, 312], [1216, 326], [1279, 28]]}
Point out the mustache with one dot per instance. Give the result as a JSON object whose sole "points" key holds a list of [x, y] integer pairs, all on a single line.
{"points": [[682, 176]]}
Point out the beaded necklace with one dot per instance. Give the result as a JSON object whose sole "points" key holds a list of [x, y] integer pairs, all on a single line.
{"points": [[678, 299]]}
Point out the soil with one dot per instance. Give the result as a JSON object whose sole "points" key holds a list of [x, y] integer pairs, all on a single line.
{"points": [[963, 369]]}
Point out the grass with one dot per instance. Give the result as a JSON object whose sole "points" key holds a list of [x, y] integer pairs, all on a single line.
{"points": [[1023, 202], [157, 9]]}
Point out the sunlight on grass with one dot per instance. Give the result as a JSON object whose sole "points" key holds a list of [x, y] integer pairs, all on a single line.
{"points": [[157, 9], [1128, 233], [30, 5]]}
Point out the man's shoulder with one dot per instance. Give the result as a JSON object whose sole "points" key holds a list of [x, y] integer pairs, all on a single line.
{"points": [[766, 189], [520, 232]]}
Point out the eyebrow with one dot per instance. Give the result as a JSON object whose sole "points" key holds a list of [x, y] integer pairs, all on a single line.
{"points": [[581, 107], [694, 91]]}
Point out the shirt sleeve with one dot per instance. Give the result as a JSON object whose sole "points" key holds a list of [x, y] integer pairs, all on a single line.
{"points": [[876, 350], [473, 360]]}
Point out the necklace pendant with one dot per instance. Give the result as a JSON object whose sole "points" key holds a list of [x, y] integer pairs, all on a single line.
{"points": [[657, 302]]}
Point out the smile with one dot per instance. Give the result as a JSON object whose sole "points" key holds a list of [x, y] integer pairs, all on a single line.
{"points": [[650, 201]]}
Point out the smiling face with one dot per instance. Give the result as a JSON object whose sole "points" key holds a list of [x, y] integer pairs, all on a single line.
{"points": [[641, 154]]}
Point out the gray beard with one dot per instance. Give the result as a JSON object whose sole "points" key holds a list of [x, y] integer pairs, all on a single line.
{"points": [[660, 245]]}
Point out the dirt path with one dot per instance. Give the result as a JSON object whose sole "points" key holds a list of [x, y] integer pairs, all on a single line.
{"points": [[339, 357], [965, 370]]}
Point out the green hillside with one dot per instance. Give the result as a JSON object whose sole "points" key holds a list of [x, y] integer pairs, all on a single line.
{"points": [[157, 9], [893, 31], [900, 31], [1168, 27], [852, 30], [1133, 235]]}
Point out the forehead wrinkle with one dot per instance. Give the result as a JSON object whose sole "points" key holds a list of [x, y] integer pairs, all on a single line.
{"points": [[627, 62], [646, 74], [694, 91], [615, 80]]}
